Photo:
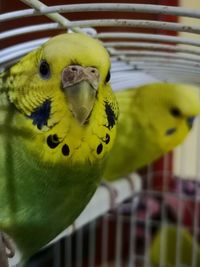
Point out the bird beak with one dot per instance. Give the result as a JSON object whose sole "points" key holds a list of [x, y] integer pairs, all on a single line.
{"points": [[190, 121], [80, 85]]}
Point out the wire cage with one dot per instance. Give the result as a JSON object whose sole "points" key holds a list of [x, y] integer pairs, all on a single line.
{"points": [[148, 41]]}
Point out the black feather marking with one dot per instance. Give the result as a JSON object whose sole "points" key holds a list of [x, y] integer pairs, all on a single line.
{"points": [[110, 116], [106, 139], [65, 150], [41, 114], [99, 149], [53, 141], [170, 131]]}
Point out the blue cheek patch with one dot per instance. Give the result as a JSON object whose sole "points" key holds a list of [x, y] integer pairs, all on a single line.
{"points": [[190, 121], [110, 115], [170, 131], [41, 114]]}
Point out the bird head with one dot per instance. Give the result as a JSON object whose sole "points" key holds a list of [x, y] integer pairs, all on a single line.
{"points": [[170, 110], [62, 89]]}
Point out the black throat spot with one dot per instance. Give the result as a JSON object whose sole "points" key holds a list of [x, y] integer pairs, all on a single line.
{"points": [[111, 117], [41, 114]]}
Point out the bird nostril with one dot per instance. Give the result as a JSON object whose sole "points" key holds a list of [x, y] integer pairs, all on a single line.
{"points": [[74, 69]]}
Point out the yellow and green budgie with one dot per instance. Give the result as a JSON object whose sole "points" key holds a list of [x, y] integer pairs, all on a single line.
{"points": [[153, 120], [58, 119], [174, 246]]}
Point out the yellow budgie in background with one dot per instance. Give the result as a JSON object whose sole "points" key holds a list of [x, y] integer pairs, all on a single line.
{"points": [[58, 119], [164, 247], [153, 120]]}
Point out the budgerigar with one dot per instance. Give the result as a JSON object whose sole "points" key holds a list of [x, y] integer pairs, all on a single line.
{"points": [[173, 247], [153, 120], [58, 119]]}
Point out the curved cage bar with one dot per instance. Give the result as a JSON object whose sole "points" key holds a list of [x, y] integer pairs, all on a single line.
{"points": [[41, 9], [143, 50], [156, 54], [148, 37], [116, 48], [147, 24], [61, 22], [151, 46]]}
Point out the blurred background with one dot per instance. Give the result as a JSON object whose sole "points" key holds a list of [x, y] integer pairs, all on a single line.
{"points": [[167, 192]]}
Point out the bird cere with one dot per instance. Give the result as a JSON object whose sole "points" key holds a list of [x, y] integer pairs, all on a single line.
{"points": [[58, 119]]}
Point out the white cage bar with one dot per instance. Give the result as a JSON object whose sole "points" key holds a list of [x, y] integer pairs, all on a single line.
{"points": [[175, 59]]}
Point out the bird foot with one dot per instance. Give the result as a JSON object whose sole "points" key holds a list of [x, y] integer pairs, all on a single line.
{"points": [[6, 250], [113, 194], [9, 247]]}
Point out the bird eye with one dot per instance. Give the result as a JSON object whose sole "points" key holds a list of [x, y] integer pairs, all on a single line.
{"points": [[108, 77], [175, 112], [170, 131], [44, 70]]}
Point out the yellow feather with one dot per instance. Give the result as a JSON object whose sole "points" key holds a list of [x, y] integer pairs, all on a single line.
{"points": [[51, 155], [146, 123]]}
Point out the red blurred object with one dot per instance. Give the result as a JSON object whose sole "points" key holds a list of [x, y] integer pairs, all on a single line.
{"points": [[163, 169]]}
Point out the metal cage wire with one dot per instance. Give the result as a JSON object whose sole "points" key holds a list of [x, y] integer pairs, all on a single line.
{"points": [[142, 58]]}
